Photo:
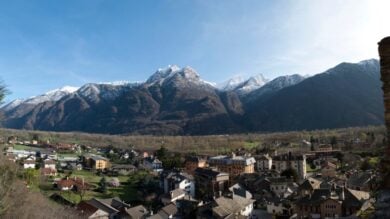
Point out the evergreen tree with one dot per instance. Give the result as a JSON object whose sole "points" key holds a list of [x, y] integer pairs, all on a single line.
{"points": [[333, 141], [103, 185]]}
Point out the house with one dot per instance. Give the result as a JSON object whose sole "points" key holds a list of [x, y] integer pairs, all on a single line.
{"points": [[263, 162], [325, 148], [12, 157], [282, 186], [73, 183], [48, 163], [153, 164], [178, 180], [168, 211], [96, 162], [64, 147], [290, 161], [12, 140], [193, 162], [279, 206], [102, 208], [122, 169], [308, 186], [328, 169], [188, 206], [238, 190], [333, 202], [362, 181], [137, 212], [48, 172], [234, 165], [29, 163], [227, 207], [319, 161], [172, 196], [65, 184], [210, 183]]}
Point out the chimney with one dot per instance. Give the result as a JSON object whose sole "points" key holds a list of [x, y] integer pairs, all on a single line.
{"points": [[342, 196], [384, 54]]}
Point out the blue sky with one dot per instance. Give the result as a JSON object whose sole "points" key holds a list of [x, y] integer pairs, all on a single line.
{"points": [[50, 44]]}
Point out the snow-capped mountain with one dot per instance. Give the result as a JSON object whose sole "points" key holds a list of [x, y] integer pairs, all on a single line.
{"points": [[286, 81], [251, 84], [230, 84], [11, 105], [106, 91], [243, 86], [276, 85], [179, 76], [370, 65], [177, 101], [53, 95]]}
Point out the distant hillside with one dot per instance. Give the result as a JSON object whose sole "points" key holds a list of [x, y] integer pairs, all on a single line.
{"points": [[176, 101]]}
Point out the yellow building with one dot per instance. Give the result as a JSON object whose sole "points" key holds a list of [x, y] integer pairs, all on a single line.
{"points": [[234, 165], [96, 162]]}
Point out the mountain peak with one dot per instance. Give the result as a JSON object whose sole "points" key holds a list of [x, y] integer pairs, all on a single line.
{"points": [[369, 62], [231, 83], [65, 89], [251, 84], [163, 74]]}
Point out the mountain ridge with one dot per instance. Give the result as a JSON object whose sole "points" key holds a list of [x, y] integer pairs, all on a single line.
{"points": [[176, 101]]}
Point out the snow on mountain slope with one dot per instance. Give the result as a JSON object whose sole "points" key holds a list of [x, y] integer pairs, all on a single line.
{"points": [[107, 91], [251, 84], [181, 76], [230, 84], [52, 95], [11, 105]]}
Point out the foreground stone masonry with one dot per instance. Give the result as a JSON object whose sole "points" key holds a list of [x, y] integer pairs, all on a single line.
{"points": [[384, 53], [382, 204]]}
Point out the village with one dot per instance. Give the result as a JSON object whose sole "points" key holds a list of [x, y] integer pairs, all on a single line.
{"points": [[323, 179]]}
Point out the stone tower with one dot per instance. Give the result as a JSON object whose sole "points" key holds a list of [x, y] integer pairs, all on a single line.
{"points": [[384, 54]]}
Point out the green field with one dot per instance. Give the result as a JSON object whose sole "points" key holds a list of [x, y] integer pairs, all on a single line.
{"points": [[127, 191]]}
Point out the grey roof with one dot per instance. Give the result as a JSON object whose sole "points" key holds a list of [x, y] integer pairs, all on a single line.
{"points": [[95, 157], [287, 157], [226, 206], [116, 203], [137, 212], [310, 184], [165, 212], [176, 193], [170, 209], [232, 160], [102, 206], [179, 176], [281, 179], [360, 179], [123, 166], [209, 172], [152, 160], [352, 198], [237, 189], [195, 159]]}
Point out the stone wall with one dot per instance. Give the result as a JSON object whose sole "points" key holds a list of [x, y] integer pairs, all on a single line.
{"points": [[384, 54]]}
